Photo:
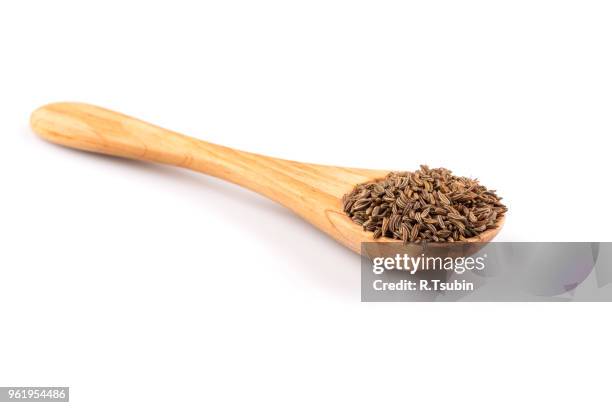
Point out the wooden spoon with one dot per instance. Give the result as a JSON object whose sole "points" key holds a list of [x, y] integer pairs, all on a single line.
{"points": [[312, 191]]}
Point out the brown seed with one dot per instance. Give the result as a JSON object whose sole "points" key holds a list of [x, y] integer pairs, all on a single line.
{"points": [[455, 217], [418, 217], [405, 233], [472, 217], [443, 198], [415, 231], [385, 225], [440, 221]]}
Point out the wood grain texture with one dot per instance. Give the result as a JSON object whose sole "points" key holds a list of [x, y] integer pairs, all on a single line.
{"points": [[312, 191]]}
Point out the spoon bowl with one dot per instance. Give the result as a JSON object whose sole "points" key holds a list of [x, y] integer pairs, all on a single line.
{"points": [[312, 191]]}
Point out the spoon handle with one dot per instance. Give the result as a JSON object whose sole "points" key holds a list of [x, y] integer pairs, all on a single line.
{"points": [[91, 128], [312, 191]]}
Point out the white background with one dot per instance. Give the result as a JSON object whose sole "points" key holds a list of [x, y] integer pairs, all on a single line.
{"points": [[136, 284]]}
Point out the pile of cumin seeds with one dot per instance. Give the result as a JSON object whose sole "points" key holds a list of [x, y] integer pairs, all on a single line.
{"points": [[427, 205]]}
